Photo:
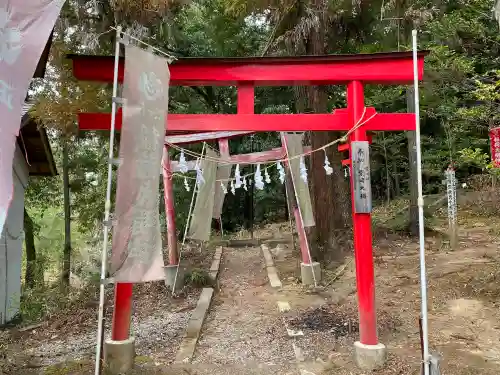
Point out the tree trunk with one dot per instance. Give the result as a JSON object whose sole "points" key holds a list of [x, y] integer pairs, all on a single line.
{"points": [[330, 194], [30, 276], [66, 268], [397, 186], [247, 204], [412, 162], [388, 180]]}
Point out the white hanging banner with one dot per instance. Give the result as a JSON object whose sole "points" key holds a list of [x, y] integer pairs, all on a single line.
{"points": [[201, 220], [25, 27], [295, 148], [223, 174], [137, 247]]}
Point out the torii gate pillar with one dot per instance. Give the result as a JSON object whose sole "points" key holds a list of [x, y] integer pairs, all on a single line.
{"points": [[173, 255], [369, 353]]}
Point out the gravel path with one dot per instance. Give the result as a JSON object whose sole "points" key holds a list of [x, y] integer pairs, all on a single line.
{"points": [[157, 337], [243, 327]]}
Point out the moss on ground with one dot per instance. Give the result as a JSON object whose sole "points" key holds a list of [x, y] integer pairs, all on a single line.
{"points": [[69, 368]]}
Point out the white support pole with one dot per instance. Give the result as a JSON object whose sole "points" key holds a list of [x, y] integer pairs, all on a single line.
{"points": [[423, 277], [221, 228], [107, 208]]}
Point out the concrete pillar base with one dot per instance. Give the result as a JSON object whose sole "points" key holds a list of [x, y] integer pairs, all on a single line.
{"points": [[306, 273], [170, 272], [119, 356], [369, 357]]}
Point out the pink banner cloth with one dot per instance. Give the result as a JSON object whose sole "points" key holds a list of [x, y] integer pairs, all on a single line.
{"points": [[137, 243], [25, 26]]}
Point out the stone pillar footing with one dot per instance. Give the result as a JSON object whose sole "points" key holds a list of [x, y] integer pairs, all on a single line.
{"points": [[369, 357], [170, 272], [119, 356], [306, 273]]}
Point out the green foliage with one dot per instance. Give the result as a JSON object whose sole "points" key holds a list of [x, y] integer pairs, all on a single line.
{"points": [[41, 302], [198, 278], [476, 157]]}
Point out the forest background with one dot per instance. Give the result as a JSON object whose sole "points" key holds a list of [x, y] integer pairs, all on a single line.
{"points": [[459, 104]]}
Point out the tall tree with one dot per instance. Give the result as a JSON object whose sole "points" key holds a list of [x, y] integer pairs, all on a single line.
{"points": [[59, 100], [66, 268], [29, 239], [316, 27]]}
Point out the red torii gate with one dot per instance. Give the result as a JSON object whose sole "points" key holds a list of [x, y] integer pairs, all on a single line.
{"points": [[355, 71], [170, 167]]}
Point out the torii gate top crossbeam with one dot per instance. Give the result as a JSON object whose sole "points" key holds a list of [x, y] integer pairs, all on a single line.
{"points": [[378, 68]]}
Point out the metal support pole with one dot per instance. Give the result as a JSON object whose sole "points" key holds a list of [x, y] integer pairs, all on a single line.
{"points": [[252, 191], [365, 279], [173, 254], [221, 228], [423, 276], [107, 208]]}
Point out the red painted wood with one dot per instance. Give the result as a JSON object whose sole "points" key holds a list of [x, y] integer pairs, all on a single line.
{"points": [[304, 246], [204, 136], [394, 68], [346, 162], [344, 147], [246, 98], [336, 121], [120, 326], [173, 254], [363, 252]]}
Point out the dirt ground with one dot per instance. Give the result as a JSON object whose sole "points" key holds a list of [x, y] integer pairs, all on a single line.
{"points": [[244, 327], [65, 344], [245, 333], [464, 319]]}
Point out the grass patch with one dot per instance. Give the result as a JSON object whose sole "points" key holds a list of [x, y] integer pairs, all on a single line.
{"points": [[198, 278], [69, 368]]}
